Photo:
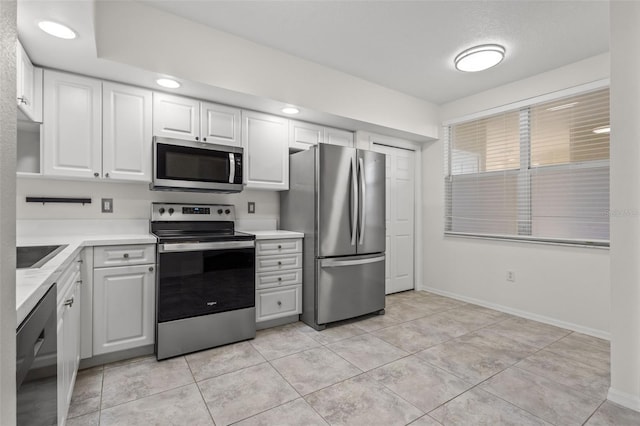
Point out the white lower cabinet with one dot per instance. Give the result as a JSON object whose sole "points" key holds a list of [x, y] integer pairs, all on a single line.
{"points": [[278, 279], [123, 307], [68, 335]]}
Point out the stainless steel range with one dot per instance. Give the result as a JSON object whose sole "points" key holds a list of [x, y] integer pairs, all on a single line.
{"points": [[205, 290]]}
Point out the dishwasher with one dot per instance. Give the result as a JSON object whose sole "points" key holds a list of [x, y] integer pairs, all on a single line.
{"points": [[36, 364]]}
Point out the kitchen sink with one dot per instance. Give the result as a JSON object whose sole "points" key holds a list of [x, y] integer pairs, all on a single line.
{"points": [[36, 256]]}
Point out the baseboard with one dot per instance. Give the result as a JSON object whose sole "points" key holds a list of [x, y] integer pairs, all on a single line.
{"points": [[277, 322], [116, 356], [524, 314], [625, 399]]}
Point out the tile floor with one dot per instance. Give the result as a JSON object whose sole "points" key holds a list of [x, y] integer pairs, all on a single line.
{"points": [[430, 360]]}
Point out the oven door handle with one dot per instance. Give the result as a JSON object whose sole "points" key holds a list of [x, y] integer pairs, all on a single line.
{"points": [[178, 247]]}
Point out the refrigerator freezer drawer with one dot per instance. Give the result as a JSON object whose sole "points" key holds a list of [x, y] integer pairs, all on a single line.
{"points": [[348, 287]]}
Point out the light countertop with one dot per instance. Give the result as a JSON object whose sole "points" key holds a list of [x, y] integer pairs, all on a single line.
{"points": [[274, 234], [33, 283]]}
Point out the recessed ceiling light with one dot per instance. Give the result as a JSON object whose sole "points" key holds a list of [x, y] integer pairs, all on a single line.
{"points": [[290, 110], [563, 106], [480, 58], [603, 129], [57, 30], [168, 83]]}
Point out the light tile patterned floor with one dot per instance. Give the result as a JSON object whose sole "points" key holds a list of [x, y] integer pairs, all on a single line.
{"points": [[429, 361]]}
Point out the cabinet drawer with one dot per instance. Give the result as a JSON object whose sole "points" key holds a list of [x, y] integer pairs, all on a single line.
{"points": [[278, 263], [124, 255], [278, 302], [277, 279], [267, 247]]}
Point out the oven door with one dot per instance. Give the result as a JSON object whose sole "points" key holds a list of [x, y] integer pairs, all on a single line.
{"points": [[196, 166], [197, 279]]}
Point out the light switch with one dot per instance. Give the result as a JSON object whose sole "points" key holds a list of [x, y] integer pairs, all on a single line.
{"points": [[107, 205]]}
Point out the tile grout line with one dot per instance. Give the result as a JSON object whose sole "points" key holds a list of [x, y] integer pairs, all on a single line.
{"points": [[204, 401]]}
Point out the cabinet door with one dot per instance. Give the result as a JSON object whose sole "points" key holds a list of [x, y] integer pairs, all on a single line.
{"points": [[123, 300], [62, 383], [126, 132], [25, 80], [303, 135], [265, 142], [176, 117], [72, 125], [220, 124], [338, 137]]}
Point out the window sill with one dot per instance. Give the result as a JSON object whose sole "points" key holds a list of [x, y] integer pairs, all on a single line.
{"points": [[600, 245]]}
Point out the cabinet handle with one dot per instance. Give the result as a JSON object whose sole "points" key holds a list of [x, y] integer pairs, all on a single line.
{"points": [[68, 302], [79, 282], [106, 175], [279, 303], [279, 246], [197, 138], [80, 261], [126, 255], [150, 268], [204, 139], [279, 263], [279, 278], [96, 174], [23, 100]]}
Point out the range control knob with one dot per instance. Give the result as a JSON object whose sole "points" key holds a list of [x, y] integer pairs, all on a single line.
{"points": [[171, 210], [161, 210], [227, 211], [219, 211]]}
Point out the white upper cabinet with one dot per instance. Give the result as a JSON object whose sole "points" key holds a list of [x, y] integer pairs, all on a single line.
{"points": [[126, 132], [72, 126], [338, 137], [29, 86], [266, 152], [220, 124], [302, 135], [190, 119], [176, 117]]}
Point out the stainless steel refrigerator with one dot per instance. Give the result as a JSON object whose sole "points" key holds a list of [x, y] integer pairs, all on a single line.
{"points": [[337, 199]]}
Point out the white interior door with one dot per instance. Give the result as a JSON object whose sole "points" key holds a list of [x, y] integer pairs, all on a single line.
{"points": [[400, 224]]}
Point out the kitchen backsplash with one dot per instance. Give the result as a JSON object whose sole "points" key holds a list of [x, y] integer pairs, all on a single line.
{"points": [[132, 201]]}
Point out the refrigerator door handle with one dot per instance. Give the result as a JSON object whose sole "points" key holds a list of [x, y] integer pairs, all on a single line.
{"points": [[354, 202], [333, 263], [362, 206]]}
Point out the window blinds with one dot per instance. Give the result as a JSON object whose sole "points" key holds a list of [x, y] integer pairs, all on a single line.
{"points": [[539, 172]]}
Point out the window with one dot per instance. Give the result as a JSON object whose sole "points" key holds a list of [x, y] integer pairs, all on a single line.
{"points": [[539, 172]]}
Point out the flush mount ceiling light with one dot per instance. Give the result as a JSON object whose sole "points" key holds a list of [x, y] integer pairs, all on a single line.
{"points": [[290, 110], [168, 83], [479, 58], [57, 30], [601, 130]]}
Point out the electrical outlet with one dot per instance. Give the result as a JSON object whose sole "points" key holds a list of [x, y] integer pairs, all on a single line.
{"points": [[511, 276], [107, 205], [251, 207]]}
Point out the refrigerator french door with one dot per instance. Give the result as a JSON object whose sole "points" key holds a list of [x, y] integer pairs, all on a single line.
{"points": [[337, 198]]}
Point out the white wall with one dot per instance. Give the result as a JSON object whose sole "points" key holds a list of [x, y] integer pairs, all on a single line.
{"points": [[567, 286], [7, 212], [625, 204], [130, 200]]}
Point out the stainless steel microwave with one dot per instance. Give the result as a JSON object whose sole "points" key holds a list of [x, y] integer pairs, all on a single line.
{"points": [[196, 166]]}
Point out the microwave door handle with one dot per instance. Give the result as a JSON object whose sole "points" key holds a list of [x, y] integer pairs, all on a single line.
{"points": [[232, 168]]}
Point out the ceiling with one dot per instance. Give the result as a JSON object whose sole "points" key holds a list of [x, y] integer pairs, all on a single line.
{"points": [[409, 46]]}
